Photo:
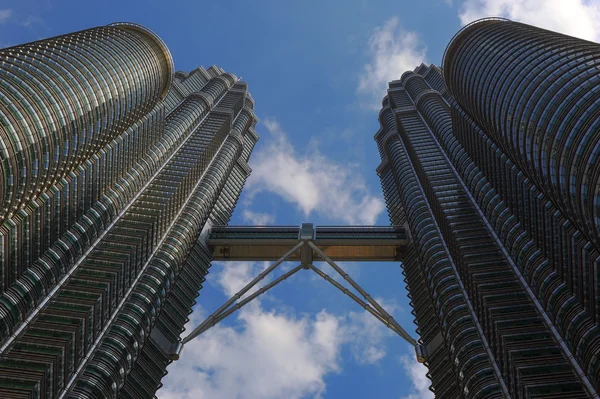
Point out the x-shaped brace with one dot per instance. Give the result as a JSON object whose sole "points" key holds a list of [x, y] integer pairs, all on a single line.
{"points": [[370, 305]]}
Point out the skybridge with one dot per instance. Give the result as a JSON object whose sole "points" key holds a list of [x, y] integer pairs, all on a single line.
{"points": [[340, 243], [306, 244]]}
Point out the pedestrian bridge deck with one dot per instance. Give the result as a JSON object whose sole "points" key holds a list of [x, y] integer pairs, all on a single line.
{"points": [[340, 243]]}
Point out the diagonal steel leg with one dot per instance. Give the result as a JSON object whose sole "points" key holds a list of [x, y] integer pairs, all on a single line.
{"points": [[237, 296], [365, 305], [211, 322], [372, 306], [239, 305], [368, 297]]}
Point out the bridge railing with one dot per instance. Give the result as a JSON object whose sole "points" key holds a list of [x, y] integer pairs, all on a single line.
{"points": [[322, 232], [254, 232]]}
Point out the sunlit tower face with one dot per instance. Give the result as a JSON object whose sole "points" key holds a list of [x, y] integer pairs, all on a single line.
{"points": [[112, 165]]}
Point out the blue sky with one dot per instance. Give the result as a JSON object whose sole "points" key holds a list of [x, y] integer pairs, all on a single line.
{"points": [[318, 71]]}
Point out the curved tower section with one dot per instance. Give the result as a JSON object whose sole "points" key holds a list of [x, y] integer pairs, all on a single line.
{"points": [[535, 94], [62, 99], [76, 112], [495, 158], [101, 256]]}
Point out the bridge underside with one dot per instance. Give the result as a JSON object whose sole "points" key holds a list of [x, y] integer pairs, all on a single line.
{"points": [[259, 243], [306, 244]]}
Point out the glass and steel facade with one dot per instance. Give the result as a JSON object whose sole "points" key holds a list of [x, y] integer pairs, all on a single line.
{"points": [[491, 163], [112, 165]]}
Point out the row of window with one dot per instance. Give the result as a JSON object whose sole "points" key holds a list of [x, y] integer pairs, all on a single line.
{"points": [[62, 63], [541, 106], [484, 272], [104, 210], [438, 270], [170, 256], [181, 299], [571, 257], [119, 277], [35, 228], [434, 269], [521, 248]]}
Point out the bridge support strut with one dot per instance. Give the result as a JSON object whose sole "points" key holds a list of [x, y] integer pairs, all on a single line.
{"points": [[305, 246]]}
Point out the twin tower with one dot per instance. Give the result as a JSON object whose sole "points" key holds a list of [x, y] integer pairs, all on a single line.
{"points": [[112, 164]]}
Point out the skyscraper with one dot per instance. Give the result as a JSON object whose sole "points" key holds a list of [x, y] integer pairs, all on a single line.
{"points": [[492, 165], [112, 164]]}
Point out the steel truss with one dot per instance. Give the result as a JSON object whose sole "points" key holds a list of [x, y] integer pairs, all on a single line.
{"points": [[371, 305]]}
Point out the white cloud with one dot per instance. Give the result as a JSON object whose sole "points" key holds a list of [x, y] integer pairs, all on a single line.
{"points": [[273, 356], [417, 373], [233, 276], [5, 14], [312, 182], [393, 51], [577, 18], [270, 354], [366, 335], [258, 218]]}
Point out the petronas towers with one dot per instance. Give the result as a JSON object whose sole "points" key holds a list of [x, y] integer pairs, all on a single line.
{"points": [[113, 164]]}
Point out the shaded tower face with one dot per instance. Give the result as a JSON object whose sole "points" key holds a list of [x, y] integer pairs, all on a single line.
{"points": [[100, 255], [504, 259], [536, 94]]}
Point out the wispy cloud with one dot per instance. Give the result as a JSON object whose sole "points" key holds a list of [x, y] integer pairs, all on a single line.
{"points": [[269, 355], [393, 51], [29, 21], [273, 355], [417, 374], [366, 335], [312, 182], [32, 20], [258, 218], [233, 276], [577, 18], [5, 15]]}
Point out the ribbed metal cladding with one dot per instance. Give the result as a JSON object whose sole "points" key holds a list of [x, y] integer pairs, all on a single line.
{"points": [[149, 368], [521, 271], [31, 288], [76, 111], [526, 109], [101, 271], [63, 98], [103, 377], [560, 264], [536, 94], [438, 297]]}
